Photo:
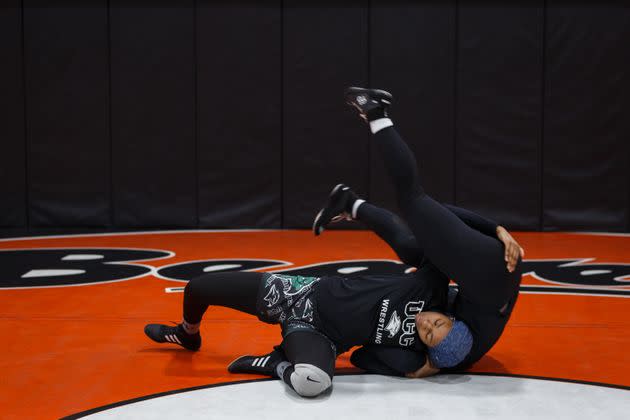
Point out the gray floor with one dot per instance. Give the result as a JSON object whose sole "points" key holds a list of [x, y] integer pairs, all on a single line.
{"points": [[386, 398]]}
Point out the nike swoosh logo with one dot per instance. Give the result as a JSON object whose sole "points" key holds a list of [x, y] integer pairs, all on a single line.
{"points": [[308, 378]]}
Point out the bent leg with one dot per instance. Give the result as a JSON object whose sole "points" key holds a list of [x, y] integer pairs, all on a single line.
{"points": [[472, 259], [393, 230], [237, 290], [312, 360]]}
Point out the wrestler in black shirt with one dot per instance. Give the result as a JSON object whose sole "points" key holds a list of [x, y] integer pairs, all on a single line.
{"points": [[398, 319], [474, 259], [388, 356], [377, 309]]}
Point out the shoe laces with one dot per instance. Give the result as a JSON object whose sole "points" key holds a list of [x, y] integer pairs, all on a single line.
{"points": [[343, 216], [175, 325]]}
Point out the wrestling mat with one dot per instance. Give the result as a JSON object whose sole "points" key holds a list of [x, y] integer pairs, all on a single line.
{"points": [[74, 308]]}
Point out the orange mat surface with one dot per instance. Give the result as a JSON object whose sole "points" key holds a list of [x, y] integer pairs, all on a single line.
{"points": [[71, 348]]}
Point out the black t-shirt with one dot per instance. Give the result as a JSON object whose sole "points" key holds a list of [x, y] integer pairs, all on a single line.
{"points": [[486, 322], [378, 309]]}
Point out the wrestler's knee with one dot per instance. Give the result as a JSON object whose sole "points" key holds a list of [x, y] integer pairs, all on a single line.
{"points": [[409, 194], [309, 380], [193, 286]]}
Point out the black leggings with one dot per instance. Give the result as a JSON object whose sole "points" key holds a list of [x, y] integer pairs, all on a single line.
{"points": [[474, 260], [239, 290], [393, 230]]}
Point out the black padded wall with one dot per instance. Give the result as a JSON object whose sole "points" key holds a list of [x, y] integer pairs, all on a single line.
{"points": [[239, 114], [499, 97], [198, 113], [153, 113], [12, 138], [324, 50], [412, 53], [587, 118], [66, 70]]}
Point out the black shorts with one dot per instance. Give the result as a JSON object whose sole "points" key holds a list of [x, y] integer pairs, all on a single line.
{"points": [[291, 302], [283, 298]]}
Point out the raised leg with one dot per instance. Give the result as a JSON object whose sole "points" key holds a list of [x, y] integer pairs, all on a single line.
{"points": [[472, 259]]}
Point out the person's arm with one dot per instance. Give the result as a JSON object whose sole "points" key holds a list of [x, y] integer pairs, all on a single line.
{"points": [[366, 360], [426, 370], [399, 237], [475, 221], [384, 360], [512, 250], [393, 230], [491, 228]]}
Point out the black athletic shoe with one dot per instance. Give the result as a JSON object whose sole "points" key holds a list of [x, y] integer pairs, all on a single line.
{"points": [[338, 207], [176, 335], [372, 104], [261, 365]]}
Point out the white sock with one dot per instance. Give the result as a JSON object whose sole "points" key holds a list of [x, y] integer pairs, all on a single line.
{"points": [[190, 328], [355, 207], [381, 123]]}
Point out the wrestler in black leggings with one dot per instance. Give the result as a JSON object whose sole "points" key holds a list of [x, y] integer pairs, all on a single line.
{"points": [[239, 290], [473, 259], [393, 230], [487, 290]]}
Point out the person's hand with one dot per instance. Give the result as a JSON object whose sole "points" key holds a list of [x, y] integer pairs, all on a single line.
{"points": [[512, 249], [424, 371]]}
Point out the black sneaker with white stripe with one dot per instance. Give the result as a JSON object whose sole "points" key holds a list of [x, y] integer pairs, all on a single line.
{"points": [[338, 207], [261, 365], [176, 335], [371, 104]]}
